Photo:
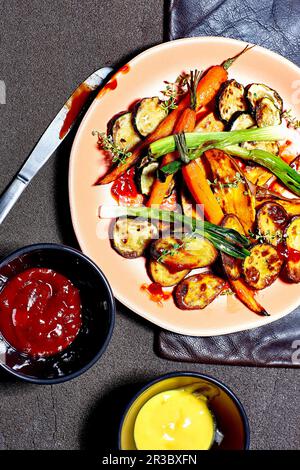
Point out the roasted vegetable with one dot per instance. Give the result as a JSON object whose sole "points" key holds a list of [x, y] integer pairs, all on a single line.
{"points": [[210, 123], [232, 266], [257, 91], [271, 147], [147, 115], [231, 100], [231, 189], [257, 174], [163, 276], [198, 291], [188, 252], [271, 220], [262, 267], [267, 113], [240, 121], [122, 131], [189, 206], [130, 237], [292, 237], [233, 270], [146, 175]]}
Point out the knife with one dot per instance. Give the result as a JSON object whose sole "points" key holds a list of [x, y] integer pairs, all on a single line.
{"points": [[52, 138]]}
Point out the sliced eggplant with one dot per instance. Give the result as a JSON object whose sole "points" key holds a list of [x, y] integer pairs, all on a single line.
{"points": [[231, 100], [271, 147], [262, 267], [267, 113], [163, 276], [123, 132], [130, 237], [146, 175], [183, 253], [232, 266], [197, 291], [147, 115], [241, 121], [292, 237], [271, 220], [257, 91]]}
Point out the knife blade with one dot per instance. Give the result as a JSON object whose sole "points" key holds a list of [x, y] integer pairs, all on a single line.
{"points": [[52, 138]]}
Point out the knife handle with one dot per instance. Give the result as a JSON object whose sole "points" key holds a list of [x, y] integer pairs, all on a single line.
{"points": [[11, 195]]}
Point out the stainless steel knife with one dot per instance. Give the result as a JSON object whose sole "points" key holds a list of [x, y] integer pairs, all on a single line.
{"points": [[52, 138]]}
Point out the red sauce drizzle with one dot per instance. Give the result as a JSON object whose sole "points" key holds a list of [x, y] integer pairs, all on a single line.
{"points": [[74, 104], [156, 292], [288, 253], [282, 250], [40, 312], [125, 68], [124, 190]]}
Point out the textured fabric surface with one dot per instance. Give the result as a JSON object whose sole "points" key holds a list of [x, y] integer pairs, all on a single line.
{"points": [[275, 25], [270, 23]]}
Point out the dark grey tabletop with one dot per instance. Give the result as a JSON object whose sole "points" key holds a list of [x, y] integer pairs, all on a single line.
{"points": [[47, 48]]}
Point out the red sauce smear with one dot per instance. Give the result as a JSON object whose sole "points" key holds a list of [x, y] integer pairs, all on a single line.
{"points": [[125, 68], [74, 104], [294, 255], [40, 312], [124, 190], [111, 85], [156, 292]]}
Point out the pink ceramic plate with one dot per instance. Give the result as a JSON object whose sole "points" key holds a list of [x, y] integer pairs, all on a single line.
{"points": [[143, 77]]}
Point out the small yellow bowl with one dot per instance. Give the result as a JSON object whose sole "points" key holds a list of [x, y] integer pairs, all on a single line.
{"points": [[230, 415]]}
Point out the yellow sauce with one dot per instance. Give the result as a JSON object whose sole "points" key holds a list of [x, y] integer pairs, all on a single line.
{"points": [[174, 420]]}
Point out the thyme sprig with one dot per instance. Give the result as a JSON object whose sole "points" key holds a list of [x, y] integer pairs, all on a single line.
{"points": [[277, 236], [228, 184], [173, 91], [291, 119], [105, 142]]}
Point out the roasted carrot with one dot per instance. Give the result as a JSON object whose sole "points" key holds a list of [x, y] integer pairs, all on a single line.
{"points": [[196, 182], [186, 123], [207, 90], [246, 295]]}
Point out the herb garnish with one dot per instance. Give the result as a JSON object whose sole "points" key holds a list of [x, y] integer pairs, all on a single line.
{"points": [[292, 120], [106, 143], [173, 91]]}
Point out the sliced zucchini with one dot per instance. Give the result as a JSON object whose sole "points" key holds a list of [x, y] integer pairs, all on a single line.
{"points": [[257, 91], [147, 115], [271, 147], [262, 267], [130, 237], [293, 244], [271, 220], [198, 291], [122, 131], [231, 100], [241, 121], [163, 276], [183, 253], [146, 175], [267, 113]]}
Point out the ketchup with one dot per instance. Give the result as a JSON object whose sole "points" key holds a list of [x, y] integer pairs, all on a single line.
{"points": [[74, 104], [156, 292], [124, 190], [40, 312]]}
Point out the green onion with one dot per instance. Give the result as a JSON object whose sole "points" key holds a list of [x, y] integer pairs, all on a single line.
{"points": [[227, 240], [289, 177], [195, 139]]}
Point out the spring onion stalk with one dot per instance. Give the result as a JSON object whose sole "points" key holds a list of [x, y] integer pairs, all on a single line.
{"points": [[196, 139], [227, 240]]}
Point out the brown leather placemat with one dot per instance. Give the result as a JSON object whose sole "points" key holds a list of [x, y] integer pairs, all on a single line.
{"points": [[276, 25]]}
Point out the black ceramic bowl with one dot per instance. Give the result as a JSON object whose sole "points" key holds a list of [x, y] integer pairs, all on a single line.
{"points": [[230, 415], [98, 314]]}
